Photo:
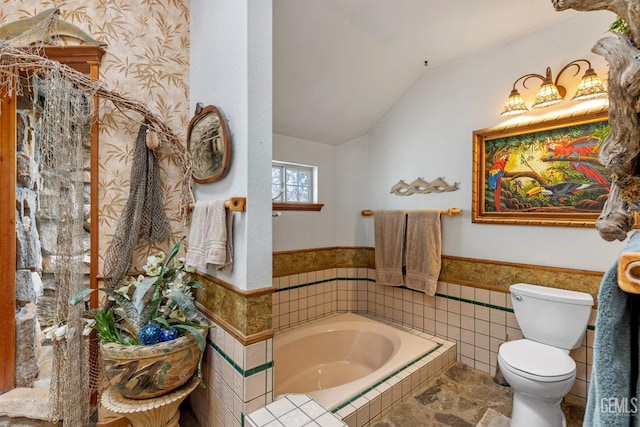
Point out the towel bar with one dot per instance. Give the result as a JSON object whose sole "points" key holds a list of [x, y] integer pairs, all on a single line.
{"points": [[234, 204], [450, 212], [629, 272]]}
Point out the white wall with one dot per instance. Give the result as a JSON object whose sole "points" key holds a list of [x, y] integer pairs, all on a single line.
{"points": [[302, 230], [429, 134], [352, 177], [342, 188], [231, 63]]}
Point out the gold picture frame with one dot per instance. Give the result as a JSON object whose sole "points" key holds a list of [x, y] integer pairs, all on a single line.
{"points": [[541, 173]]}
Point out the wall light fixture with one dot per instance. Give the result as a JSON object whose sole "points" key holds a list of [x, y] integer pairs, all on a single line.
{"points": [[551, 93]]}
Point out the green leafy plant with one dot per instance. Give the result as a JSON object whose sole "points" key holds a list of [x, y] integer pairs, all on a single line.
{"points": [[152, 308], [619, 26]]}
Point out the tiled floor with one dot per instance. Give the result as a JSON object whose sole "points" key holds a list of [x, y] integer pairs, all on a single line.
{"points": [[460, 397]]}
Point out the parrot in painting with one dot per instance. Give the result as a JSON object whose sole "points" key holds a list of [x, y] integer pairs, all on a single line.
{"points": [[495, 173], [583, 146]]}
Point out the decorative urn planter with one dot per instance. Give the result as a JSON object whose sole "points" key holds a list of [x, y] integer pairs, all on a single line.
{"points": [[145, 371]]}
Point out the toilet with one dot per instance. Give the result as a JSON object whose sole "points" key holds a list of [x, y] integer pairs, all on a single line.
{"points": [[538, 367]]}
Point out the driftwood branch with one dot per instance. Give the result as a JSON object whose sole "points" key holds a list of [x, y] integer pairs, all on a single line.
{"points": [[15, 61], [620, 149], [629, 10]]}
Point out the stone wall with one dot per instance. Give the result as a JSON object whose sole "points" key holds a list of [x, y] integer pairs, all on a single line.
{"points": [[36, 236]]}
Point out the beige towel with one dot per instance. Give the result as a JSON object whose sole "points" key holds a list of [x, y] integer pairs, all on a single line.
{"points": [[423, 250], [389, 230], [228, 262], [208, 235]]}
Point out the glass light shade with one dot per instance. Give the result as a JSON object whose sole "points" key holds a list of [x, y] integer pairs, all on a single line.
{"points": [[547, 95], [590, 87], [515, 105]]}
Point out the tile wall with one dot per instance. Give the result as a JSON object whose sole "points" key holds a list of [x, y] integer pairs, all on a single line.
{"points": [[238, 379], [477, 320], [371, 404]]}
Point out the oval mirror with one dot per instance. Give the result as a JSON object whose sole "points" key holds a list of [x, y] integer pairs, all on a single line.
{"points": [[209, 143]]}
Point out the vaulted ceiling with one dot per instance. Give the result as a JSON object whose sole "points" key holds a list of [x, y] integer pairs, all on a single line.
{"points": [[340, 65]]}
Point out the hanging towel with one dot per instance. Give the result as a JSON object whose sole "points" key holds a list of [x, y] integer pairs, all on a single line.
{"points": [[389, 230], [227, 266], [615, 358], [423, 250], [207, 235]]}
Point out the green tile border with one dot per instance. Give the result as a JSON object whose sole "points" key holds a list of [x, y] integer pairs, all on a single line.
{"points": [[346, 279], [229, 359], [482, 304], [396, 372], [316, 282], [479, 273]]}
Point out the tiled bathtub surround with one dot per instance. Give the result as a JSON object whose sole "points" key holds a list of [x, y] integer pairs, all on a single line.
{"points": [[238, 379], [238, 369], [290, 410], [477, 320], [373, 403]]}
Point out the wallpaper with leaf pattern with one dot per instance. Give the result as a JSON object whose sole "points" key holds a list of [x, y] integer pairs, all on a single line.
{"points": [[147, 59]]}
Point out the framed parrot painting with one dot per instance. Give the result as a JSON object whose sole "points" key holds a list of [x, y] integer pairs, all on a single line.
{"points": [[541, 173]]}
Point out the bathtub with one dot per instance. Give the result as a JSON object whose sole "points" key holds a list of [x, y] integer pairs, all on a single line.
{"points": [[337, 358]]}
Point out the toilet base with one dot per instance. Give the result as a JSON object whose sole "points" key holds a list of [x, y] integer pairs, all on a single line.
{"points": [[528, 411]]}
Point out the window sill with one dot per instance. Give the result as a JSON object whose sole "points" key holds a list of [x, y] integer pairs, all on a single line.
{"points": [[311, 207]]}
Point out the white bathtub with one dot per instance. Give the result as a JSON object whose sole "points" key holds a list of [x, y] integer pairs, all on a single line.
{"points": [[335, 359]]}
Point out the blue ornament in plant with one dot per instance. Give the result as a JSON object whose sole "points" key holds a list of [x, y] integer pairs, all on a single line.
{"points": [[168, 333], [150, 334]]}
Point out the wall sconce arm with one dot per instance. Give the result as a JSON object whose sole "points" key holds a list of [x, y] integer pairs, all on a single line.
{"points": [[526, 77], [551, 92]]}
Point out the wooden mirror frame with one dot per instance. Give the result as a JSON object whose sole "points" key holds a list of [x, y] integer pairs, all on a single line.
{"points": [[205, 172]]}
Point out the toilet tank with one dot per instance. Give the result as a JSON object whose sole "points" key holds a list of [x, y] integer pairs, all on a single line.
{"points": [[556, 317]]}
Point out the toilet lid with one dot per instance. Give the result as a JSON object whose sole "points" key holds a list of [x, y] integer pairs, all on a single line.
{"points": [[536, 359]]}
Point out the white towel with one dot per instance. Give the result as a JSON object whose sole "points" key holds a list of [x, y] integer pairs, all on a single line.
{"points": [[208, 242]]}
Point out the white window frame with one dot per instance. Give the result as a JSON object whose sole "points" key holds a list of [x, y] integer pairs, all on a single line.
{"points": [[284, 204]]}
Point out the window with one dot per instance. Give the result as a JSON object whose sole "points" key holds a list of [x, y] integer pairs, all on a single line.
{"points": [[293, 186]]}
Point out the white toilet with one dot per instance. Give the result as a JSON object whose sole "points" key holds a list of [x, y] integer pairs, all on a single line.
{"points": [[538, 367]]}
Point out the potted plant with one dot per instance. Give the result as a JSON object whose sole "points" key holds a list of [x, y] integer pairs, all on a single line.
{"points": [[150, 332]]}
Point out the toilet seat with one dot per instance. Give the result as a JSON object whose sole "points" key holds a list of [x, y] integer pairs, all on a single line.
{"points": [[536, 361]]}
